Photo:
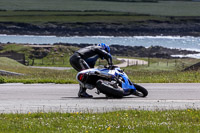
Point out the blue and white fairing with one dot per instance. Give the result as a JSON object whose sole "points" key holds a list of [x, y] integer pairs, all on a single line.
{"points": [[116, 72], [126, 84]]}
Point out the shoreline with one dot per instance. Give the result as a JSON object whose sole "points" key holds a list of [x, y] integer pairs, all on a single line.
{"points": [[161, 35], [128, 51], [119, 50], [138, 28], [81, 40]]}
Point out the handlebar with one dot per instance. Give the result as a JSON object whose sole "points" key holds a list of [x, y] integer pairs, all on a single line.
{"points": [[111, 67]]}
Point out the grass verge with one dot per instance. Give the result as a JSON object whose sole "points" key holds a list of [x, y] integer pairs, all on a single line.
{"points": [[159, 71], [119, 121], [164, 71], [34, 75]]}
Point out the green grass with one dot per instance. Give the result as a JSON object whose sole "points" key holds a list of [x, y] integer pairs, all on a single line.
{"points": [[159, 71], [138, 74], [164, 76], [16, 48], [57, 55], [7, 62], [34, 75], [166, 8], [172, 121], [164, 71], [74, 17]]}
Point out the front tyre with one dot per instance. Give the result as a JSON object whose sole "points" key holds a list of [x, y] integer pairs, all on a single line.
{"points": [[140, 91], [109, 89]]}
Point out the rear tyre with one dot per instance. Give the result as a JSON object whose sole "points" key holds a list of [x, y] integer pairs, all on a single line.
{"points": [[140, 91], [109, 89]]}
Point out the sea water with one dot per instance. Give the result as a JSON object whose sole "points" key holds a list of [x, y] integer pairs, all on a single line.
{"points": [[179, 42]]}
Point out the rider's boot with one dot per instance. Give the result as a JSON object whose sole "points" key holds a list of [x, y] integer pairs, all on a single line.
{"points": [[82, 93]]}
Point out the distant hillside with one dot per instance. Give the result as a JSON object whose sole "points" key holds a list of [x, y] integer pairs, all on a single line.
{"points": [[141, 0], [164, 8], [104, 17], [140, 51]]}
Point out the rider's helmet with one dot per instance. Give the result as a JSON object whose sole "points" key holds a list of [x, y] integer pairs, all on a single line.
{"points": [[105, 47]]}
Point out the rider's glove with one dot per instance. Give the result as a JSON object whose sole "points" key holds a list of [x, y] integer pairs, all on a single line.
{"points": [[110, 65]]}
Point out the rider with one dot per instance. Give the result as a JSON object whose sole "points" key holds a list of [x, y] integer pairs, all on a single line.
{"points": [[86, 58]]}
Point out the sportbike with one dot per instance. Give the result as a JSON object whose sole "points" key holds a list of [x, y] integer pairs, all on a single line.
{"points": [[111, 81]]}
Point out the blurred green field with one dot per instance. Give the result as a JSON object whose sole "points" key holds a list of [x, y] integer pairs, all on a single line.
{"points": [[171, 121], [163, 8], [74, 17]]}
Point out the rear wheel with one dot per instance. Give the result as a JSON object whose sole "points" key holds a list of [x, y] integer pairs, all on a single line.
{"points": [[109, 89], [140, 91]]}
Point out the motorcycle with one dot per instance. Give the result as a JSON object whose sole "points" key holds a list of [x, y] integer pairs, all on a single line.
{"points": [[111, 81]]}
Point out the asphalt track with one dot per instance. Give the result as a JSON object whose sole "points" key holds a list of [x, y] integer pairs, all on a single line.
{"points": [[24, 98]]}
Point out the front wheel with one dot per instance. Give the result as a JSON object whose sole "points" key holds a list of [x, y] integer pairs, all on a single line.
{"points": [[140, 91], [109, 89]]}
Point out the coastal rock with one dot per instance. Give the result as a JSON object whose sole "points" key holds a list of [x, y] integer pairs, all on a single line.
{"points": [[191, 27], [153, 51], [140, 51]]}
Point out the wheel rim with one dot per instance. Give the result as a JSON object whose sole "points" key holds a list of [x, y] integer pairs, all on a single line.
{"points": [[137, 93]]}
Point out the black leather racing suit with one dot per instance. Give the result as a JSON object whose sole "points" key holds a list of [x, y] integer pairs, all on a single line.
{"points": [[86, 58]]}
